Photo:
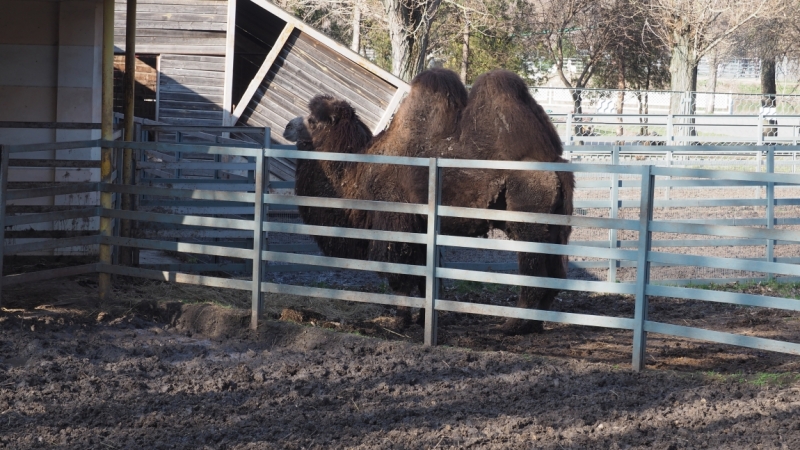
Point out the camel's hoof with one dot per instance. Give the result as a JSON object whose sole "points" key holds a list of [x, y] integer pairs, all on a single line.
{"points": [[515, 327]]}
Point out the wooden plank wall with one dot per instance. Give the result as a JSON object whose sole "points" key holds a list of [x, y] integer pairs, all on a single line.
{"points": [[191, 90], [304, 69], [189, 27]]}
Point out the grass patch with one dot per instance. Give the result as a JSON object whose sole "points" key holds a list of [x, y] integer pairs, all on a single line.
{"points": [[471, 287], [759, 379], [774, 379], [768, 288]]}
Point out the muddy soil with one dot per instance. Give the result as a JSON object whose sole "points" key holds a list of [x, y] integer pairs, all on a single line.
{"points": [[148, 371]]}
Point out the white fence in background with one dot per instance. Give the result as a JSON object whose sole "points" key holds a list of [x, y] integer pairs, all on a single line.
{"points": [[604, 101], [675, 129]]}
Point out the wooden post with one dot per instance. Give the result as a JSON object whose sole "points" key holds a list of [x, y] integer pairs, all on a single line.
{"points": [[125, 253], [106, 133]]}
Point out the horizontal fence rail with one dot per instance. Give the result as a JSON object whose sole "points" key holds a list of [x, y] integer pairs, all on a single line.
{"points": [[257, 201]]}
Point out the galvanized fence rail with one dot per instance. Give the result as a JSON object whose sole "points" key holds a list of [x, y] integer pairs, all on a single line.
{"points": [[763, 158], [258, 255]]}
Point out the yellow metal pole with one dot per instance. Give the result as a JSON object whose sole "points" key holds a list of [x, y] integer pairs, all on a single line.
{"points": [[107, 133], [125, 254]]}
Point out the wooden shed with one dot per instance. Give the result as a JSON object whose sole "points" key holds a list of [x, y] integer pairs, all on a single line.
{"points": [[245, 63]]}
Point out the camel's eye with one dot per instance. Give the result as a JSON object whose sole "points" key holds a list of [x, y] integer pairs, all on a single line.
{"points": [[312, 121]]}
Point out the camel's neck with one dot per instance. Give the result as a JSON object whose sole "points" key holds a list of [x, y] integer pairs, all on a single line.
{"points": [[324, 178]]}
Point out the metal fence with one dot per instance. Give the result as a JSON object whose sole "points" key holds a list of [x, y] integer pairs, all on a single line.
{"points": [[606, 101], [645, 225], [675, 129]]}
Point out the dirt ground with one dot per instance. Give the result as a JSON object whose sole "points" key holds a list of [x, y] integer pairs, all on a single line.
{"points": [[160, 367]]}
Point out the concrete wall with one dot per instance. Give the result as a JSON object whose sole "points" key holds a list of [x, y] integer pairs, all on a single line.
{"points": [[50, 71]]}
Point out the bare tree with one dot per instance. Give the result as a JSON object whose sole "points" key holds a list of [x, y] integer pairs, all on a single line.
{"points": [[574, 31], [459, 21], [693, 28], [355, 43], [635, 59], [768, 39], [409, 31]]}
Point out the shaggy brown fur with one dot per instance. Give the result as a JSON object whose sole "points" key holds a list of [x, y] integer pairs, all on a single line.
{"points": [[498, 120]]}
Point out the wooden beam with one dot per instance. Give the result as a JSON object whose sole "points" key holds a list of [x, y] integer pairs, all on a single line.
{"points": [[262, 72], [227, 100], [106, 133], [126, 253], [339, 48], [158, 84], [391, 109], [187, 49]]}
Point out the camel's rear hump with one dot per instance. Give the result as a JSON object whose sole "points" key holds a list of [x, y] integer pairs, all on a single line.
{"points": [[504, 122]]}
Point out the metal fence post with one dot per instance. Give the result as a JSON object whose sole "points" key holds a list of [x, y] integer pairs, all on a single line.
{"points": [[669, 132], [643, 267], [759, 158], [258, 231], [267, 190], [771, 208], [3, 198], [667, 189], [178, 140], [613, 242], [432, 259], [568, 134], [139, 136]]}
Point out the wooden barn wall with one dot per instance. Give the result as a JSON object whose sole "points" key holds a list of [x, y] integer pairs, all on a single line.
{"points": [[191, 90], [189, 27], [257, 31], [304, 69]]}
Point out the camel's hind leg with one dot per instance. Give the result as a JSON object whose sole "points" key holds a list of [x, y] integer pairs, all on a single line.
{"points": [[535, 193], [539, 265]]}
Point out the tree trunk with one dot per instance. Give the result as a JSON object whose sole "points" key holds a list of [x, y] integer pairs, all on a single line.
{"points": [[768, 85], [409, 28], [683, 73], [621, 95], [712, 79], [643, 103], [356, 43], [465, 49]]}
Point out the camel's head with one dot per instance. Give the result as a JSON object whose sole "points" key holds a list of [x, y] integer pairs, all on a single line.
{"points": [[331, 125]]}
